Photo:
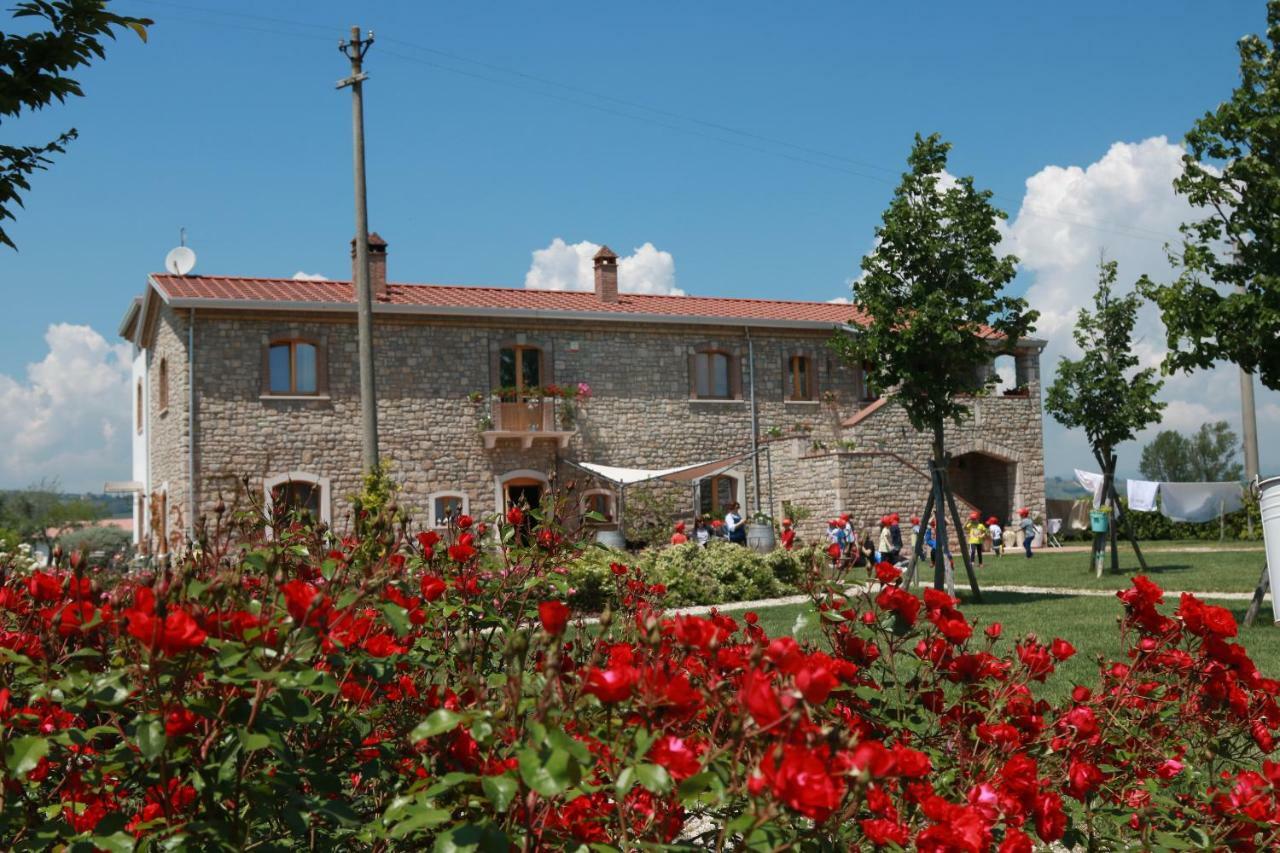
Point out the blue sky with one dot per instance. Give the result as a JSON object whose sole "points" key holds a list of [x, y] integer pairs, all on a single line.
{"points": [[756, 143]]}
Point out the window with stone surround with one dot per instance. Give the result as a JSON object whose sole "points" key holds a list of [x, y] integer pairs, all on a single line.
{"points": [[716, 493], [447, 507], [599, 501], [163, 390], [800, 378], [714, 374], [292, 494], [294, 367], [137, 407]]}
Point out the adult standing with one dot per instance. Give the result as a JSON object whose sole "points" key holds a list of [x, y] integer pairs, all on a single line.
{"points": [[735, 526]]}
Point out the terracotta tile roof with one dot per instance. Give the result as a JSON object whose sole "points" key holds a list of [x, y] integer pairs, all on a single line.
{"points": [[459, 299]]}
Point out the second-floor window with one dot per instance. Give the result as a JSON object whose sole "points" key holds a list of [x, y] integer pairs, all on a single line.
{"points": [[519, 369], [711, 377], [800, 378], [292, 367]]}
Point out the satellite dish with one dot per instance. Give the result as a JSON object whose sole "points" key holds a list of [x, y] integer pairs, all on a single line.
{"points": [[180, 261]]}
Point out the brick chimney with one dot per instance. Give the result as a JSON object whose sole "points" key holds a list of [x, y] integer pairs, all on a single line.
{"points": [[377, 266], [606, 263]]}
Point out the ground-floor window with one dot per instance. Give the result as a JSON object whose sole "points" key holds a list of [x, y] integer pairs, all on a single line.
{"points": [[716, 493], [447, 507], [297, 494], [598, 502]]}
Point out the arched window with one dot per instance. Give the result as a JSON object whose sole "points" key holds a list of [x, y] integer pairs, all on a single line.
{"points": [[137, 407], [712, 375], [800, 378], [600, 502], [716, 493], [866, 393], [297, 492], [447, 506], [292, 367], [163, 391]]}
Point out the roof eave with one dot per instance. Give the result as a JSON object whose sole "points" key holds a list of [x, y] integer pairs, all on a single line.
{"points": [[129, 322], [504, 313]]}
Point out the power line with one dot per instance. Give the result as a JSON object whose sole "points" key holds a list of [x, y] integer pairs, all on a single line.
{"points": [[1102, 226]]}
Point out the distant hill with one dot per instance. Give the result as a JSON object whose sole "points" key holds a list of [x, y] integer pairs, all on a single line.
{"points": [[111, 506], [1063, 489]]}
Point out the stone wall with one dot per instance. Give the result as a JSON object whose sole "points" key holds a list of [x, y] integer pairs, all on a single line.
{"points": [[640, 415], [168, 428]]}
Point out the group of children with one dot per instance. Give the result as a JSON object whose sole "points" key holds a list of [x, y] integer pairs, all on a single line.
{"points": [[885, 543], [882, 542]]}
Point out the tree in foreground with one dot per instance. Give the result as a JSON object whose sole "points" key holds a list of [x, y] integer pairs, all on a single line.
{"points": [[1225, 303], [933, 288], [1103, 393], [1209, 455], [36, 66]]}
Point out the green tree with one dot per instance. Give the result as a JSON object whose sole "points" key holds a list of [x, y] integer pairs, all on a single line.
{"points": [[1209, 455], [40, 514], [932, 290], [1225, 302], [1102, 392], [36, 67], [99, 545], [1167, 458]]}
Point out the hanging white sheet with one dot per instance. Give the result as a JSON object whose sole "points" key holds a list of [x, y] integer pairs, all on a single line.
{"points": [[1092, 483], [1142, 495], [682, 474], [1199, 501]]}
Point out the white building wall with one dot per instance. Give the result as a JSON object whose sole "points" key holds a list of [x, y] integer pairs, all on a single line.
{"points": [[141, 472]]}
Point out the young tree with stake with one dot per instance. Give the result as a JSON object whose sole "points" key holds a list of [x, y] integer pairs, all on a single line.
{"points": [[1102, 393], [933, 288]]}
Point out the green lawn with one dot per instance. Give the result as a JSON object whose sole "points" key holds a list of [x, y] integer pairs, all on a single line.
{"points": [[1226, 571], [1089, 623]]}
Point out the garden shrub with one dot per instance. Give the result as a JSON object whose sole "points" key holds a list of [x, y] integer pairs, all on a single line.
{"points": [[410, 693], [99, 545]]}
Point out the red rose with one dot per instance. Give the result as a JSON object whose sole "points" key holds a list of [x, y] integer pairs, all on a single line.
{"points": [[554, 616], [759, 698], [611, 685], [897, 600], [1083, 778], [176, 633], [815, 679], [1061, 650], [44, 587], [464, 521], [427, 541], [432, 587], [1046, 808], [383, 645], [882, 832], [680, 757], [515, 516], [802, 781], [1015, 841], [994, 630], [305, 602]]}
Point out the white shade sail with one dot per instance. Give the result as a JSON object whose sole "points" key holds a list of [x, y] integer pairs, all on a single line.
{"points": [[682, 474]]}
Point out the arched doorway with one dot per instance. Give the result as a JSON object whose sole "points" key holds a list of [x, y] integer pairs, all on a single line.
{"points": [[986, 482]]}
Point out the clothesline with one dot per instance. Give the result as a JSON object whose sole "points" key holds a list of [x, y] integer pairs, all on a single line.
{"points": [[1194, 502]]}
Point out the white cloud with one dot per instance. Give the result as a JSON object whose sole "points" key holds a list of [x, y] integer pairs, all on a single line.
{"points": [[308, 276], [566, 266], [1122, 206], [69, 417]]}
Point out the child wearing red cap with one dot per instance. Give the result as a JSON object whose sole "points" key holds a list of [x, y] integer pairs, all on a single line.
{"points": [[975, 531], [678, 538], [1027, 528], [788, 535], [996, 534]]}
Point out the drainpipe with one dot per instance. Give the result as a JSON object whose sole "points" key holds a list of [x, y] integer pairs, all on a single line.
{"points": [[191, 426], [755, 421]]}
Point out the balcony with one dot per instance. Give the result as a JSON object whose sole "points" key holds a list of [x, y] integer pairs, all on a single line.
{"points": [[526, 421]]}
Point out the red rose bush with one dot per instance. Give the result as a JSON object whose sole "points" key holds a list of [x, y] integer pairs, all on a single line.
{"points": [[392, 690]]}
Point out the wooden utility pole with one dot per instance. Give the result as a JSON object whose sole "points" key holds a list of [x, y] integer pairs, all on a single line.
{"points": [[355, 49]]}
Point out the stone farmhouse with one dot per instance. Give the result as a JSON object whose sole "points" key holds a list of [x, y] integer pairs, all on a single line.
{"points": [[248, 377]]}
